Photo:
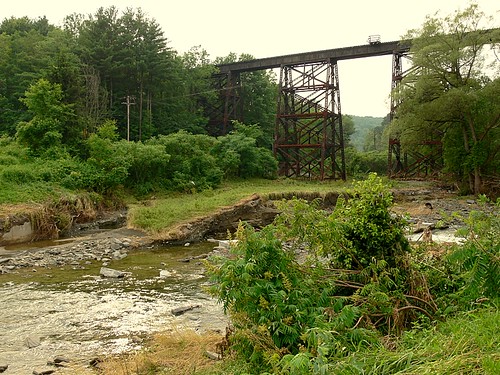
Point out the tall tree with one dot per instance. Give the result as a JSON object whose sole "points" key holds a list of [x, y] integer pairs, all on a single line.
{"points": [[26, 54], [199, 93], [99, 46], [130, 57], [450, 97], [50, 126]]}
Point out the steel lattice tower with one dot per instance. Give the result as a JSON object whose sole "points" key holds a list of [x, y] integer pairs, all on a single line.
{"points": [[309, 137]]}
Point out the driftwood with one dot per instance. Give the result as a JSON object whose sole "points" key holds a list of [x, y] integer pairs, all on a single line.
{"points": [[181, 310]]}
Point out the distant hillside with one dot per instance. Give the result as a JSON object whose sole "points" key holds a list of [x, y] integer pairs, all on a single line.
{"points": [[362, 124]]}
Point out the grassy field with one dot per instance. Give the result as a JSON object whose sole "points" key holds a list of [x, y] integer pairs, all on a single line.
{"points": [[162, 213]]}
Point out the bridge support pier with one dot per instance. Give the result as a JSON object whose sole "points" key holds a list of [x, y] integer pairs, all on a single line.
{"points": [[423, 159], [309, 137], [229, 106]]}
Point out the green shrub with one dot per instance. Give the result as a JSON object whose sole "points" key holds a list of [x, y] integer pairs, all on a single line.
{"points": [[191, 165], [19, 174], [8, 160], [147, 168], [361, 163], [315, 287], [477, 261], [239, 156], [276, 311]]}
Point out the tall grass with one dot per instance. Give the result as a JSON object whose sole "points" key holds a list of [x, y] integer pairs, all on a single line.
{"points": [[465, 344], [178, 352], [24, 179]]}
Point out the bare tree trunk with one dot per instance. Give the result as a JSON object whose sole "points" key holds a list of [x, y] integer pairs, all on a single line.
{"points": [[467, 150], [95, 101], [477, 172], [150, 108], [140, 110], [478, 181]]}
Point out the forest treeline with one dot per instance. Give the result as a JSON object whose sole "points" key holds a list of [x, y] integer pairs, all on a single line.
{"points": [[99, 60], [71, 96]]}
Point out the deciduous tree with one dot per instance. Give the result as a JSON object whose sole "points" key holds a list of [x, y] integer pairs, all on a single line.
{"points": [[450, 97]]}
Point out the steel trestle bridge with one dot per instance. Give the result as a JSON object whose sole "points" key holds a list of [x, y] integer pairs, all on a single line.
{"points": [[309, 136]]}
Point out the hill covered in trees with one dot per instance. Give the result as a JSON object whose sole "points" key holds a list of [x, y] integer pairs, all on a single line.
{"points": [[363, 126], [102, 61]]}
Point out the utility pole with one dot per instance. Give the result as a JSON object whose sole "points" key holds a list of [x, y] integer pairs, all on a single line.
{"points": [[128, 103]]}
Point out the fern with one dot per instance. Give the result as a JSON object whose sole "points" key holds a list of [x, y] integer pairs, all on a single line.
{"points": [[478, 259]]}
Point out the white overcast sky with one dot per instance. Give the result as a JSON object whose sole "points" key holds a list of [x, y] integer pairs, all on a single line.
{"points": [[265, 28]]}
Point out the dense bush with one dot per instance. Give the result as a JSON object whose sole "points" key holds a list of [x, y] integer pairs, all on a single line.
{"points": [[238, 155], [192, 165], [296, 315], [176, 162], [361, 163]]}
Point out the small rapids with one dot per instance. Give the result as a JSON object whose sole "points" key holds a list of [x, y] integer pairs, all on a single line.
{"points": [[78, 315]]}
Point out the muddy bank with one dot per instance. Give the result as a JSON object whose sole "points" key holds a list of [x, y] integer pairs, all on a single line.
{"points": [[258, 211]]}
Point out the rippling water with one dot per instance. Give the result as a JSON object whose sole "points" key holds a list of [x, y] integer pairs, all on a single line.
{"points": [[85, 316]]}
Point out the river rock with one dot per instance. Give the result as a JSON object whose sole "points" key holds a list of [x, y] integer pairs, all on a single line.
{"points": [[32, 341], [111, 273], [212, 355], [165, 273], [58, 361], [117, 255]]}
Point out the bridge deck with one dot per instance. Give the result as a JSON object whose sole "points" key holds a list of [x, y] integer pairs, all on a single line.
{"points": [[345, 53]]}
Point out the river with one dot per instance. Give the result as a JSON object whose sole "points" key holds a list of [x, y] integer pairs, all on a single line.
{"points": [[74, 313]]}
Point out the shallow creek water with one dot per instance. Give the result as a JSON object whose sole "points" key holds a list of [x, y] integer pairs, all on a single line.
{"points": [[78, 315]]}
